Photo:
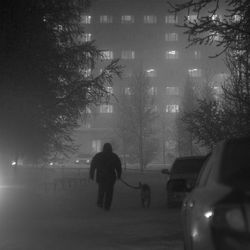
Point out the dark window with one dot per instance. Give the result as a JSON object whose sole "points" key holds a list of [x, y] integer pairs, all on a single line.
{"points": [[191, 166]]}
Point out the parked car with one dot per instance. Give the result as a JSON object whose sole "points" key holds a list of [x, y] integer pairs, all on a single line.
{"points": [[82, 160], [216, 213], [182, 175]]}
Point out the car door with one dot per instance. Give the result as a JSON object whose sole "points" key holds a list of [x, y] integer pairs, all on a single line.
{"points": [[190, 203], [203, 196]]}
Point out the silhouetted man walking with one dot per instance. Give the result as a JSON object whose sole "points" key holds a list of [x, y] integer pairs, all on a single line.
{"points": [[108, 167]]}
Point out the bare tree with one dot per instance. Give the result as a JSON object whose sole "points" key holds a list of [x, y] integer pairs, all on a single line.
{"points": [[136, 120], [229, 115], [224, 23]]}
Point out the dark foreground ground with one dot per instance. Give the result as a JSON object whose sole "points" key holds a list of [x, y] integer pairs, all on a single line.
{"points": [[39, 218]]}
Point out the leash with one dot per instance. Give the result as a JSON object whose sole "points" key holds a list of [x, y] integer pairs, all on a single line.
{"points": [[131, 186]]}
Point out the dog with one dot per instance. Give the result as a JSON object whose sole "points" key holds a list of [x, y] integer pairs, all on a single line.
{"points": [[145, 194]]}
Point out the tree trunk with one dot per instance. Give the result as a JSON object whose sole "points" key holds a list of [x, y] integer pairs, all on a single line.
{"points": [[141, 150]]}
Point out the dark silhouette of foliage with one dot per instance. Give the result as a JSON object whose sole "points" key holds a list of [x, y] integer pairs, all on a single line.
{"points": [[226, 24], [232, 27], [229, 115], [44, 80]]}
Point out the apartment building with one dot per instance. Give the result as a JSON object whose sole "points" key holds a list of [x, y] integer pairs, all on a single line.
{"points": [[144, 35]]}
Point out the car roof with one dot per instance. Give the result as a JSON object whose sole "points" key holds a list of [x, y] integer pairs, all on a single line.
{"points": [[187, 165], [238, 139], [197, 157]]}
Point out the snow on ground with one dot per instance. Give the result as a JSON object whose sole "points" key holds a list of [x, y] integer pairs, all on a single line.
{"points": [[68, 219]]}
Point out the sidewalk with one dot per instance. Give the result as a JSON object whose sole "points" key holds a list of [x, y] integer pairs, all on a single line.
{"points": [[69, 220]]}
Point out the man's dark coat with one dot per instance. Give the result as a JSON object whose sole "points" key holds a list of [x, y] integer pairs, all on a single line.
{"points": [[107, 166]]}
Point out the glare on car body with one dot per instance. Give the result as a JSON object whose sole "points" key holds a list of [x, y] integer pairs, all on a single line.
{"points": [[216, 213]]}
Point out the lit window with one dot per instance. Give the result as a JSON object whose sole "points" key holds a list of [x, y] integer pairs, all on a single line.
{"points": [[88, 110], [127, 91], [86, 72], [194, 72], [86, 37], [171, 37], [197, 54], [154, 108], [236, 18], [171, 144], [172, 54], [216, 17], [96, 146], [106, 19], [153, 91], [58, 27], [86, 55], [107, 55], [127, 73], [128, 54], [151, 73], [172, 90], [172, 108], [192, 18], [110, 90], [217, 90], [214, 36], [86, 19], [86, 125], [172, 19], [150, 19], [127, 19], [106, 108]]}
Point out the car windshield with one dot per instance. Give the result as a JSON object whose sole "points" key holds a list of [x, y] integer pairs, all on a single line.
{"points": [[190, 166], [236, 167]]}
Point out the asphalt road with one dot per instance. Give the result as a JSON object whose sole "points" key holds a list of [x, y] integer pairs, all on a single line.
{"points": [[35, 218]]}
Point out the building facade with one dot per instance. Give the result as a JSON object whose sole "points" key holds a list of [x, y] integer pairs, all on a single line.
{"points": [[144, 35]]}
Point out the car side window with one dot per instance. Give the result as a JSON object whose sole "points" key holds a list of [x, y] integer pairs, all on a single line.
{"points": [[210, 168], [205, 171], [203, 174]]}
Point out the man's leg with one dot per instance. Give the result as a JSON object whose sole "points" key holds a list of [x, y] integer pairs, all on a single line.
{"points": [[100, 197], [108, 195]]}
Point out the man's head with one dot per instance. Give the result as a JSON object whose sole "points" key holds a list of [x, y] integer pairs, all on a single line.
{"points": [[107, 148]]}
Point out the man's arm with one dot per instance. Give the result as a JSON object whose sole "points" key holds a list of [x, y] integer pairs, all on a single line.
{"points": [[118, 168]]}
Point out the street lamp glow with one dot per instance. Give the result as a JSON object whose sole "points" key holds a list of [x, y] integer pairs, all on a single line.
{"points": [[13, 163], [173, 52], [208, 214], [192, 70], [150, 70]]}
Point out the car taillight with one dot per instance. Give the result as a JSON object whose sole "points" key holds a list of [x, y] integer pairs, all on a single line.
{"points": [[235, 219]]}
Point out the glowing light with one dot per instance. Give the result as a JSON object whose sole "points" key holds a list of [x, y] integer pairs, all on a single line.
{"points": [[51, 163], [236, 18], [192, 70], [77, 161], [214, 17], [208, 214], [173, 52], [13, 163], [195, 233], [150, 70]]}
